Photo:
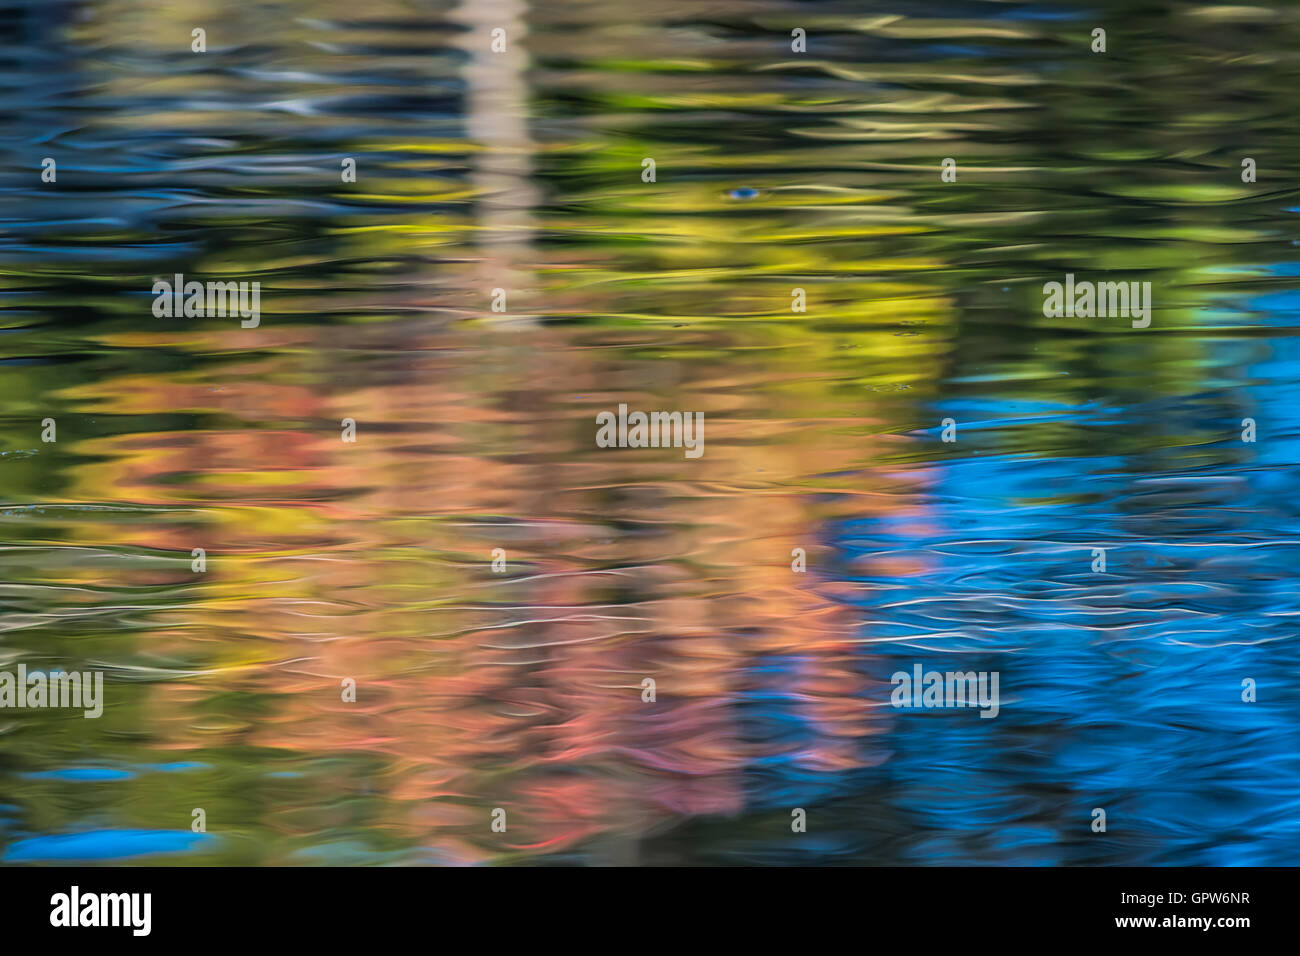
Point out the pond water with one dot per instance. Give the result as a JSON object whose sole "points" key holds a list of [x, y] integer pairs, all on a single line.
{"points": [[520, 688]]}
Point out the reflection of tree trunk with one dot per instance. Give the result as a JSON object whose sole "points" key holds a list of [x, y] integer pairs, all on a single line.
{"points": [[497, 124]]}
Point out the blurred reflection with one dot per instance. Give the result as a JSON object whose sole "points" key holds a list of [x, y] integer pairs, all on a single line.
{"points": [[523, 690]]}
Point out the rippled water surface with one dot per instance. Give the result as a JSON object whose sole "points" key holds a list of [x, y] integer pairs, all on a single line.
{"points": [[522, 689]]}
